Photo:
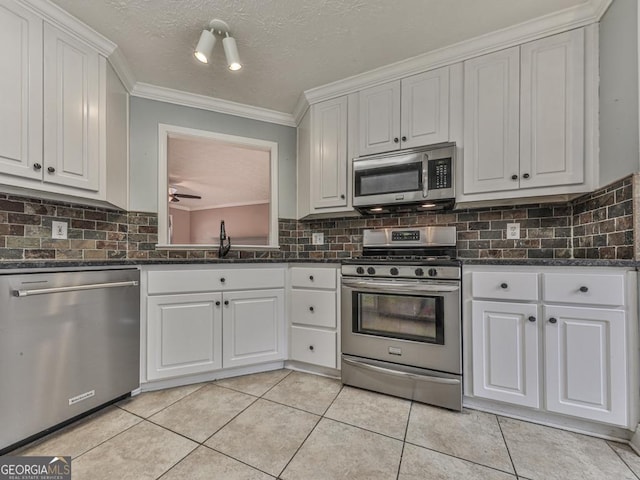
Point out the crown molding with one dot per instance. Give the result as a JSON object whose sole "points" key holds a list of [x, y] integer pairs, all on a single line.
{"points": [[122, 69], [563, 20], [178, 97], [300, 108], [71, 25]]}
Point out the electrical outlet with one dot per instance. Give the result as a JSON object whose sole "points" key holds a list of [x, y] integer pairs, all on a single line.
{"points": [[513, 231], [317, 238], [59, 230]]}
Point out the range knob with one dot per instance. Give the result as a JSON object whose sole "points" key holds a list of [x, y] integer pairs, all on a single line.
{"points": [[433, 272], [419, 272], [359, 270], [393, 271], [371, 270]]}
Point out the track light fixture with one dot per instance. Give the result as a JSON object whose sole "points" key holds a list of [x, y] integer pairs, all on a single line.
{"points": [[208, 40]]}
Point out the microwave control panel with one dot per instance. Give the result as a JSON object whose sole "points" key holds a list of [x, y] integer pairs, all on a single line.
{"points": [[440, 173]]}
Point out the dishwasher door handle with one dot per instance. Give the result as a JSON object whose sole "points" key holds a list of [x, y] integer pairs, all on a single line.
{"points": [[75, 288]]}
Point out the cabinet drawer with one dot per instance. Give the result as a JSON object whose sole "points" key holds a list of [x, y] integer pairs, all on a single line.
{"points": [[592, 289], [504, 285], [181, 281], [313, 277], [313, 346], [313, 307]]}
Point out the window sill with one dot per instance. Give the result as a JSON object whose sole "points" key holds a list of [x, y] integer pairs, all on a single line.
{"points": [[199, 246]]}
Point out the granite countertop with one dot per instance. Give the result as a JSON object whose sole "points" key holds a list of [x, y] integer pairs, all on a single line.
{"points": [[561, 262], [35, 264], [551, 262]]}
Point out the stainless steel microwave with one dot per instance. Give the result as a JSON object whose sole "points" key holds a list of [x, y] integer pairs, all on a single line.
{"points": [[424, 177]]}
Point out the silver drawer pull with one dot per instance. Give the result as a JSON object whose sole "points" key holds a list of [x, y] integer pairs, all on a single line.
{"points": [[75, 288]]}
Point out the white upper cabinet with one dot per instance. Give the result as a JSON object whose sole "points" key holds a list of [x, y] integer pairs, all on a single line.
{"points": [[406, 113], [329, 148], [63, 115], [21, 87], [325, 144], [491, 119], [552, 118], [524, 119], [424, 110], [71, 111], [380, 118]]}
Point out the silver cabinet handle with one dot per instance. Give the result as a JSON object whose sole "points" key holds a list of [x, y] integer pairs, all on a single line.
{"points": [[75, 288], [446, 381]]}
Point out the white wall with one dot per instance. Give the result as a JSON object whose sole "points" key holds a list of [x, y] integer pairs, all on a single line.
{"points": [[145, 115], [619, 154]]}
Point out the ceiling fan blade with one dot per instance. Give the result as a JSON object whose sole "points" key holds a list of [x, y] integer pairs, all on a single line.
{"points": [[186, 195], [173, 199]]}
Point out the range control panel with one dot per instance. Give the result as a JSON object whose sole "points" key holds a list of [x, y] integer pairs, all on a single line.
{"points": [[432, 272], [405, 236]]}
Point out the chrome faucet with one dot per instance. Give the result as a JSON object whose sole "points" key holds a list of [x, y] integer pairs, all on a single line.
{"points": [[223, 249]]}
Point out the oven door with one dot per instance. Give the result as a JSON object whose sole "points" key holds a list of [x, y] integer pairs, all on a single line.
{"points": [[408, 322]]}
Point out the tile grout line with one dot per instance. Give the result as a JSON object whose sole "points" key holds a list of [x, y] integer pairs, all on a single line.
{"points": [[504, 439], [621, 459], [203, 443], [320, 417], [404, 440], [163, 408]]}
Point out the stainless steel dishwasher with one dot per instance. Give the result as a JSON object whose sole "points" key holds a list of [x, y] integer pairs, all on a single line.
{"points": [[69, 344]]}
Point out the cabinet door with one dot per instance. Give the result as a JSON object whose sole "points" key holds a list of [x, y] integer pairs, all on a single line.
{"points": [[505, 352], [184, 334], [329, 154], [491, 122], [552, 116], [71, 111], [21, 87], [424, 117], [585, 363], [253, 327], [380, 118]]}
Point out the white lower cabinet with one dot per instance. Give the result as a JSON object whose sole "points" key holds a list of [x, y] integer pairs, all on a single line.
{"points": [[196, 324], [505, 352], [252, 327], [585, 363], [185, 333], [311, 345], [569, 346], [313, 310]]}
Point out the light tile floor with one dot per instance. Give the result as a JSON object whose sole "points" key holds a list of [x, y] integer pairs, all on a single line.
{"points": [[296, 426]]}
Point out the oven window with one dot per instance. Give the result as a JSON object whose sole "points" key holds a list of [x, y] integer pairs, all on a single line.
{"points": [[401, 178], [406, 317]]}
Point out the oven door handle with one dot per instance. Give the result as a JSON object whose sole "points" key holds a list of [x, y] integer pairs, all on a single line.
{"points": [[396, 373], [403, 287]]}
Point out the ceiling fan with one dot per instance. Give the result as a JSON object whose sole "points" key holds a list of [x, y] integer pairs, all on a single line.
{"points": [[174, 196]]}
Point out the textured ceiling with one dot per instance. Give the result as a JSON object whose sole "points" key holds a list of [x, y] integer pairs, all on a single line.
{"points": [[221, 173], [288, 46]]}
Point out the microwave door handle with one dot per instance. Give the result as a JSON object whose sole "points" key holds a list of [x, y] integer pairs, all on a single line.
{"points": [[425, 176]]}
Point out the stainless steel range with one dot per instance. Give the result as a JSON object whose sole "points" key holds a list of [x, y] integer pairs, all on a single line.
{"points": [[401, 326]]}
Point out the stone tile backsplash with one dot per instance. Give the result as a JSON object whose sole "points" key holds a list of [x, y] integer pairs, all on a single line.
{"points": [[596, 225]]}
